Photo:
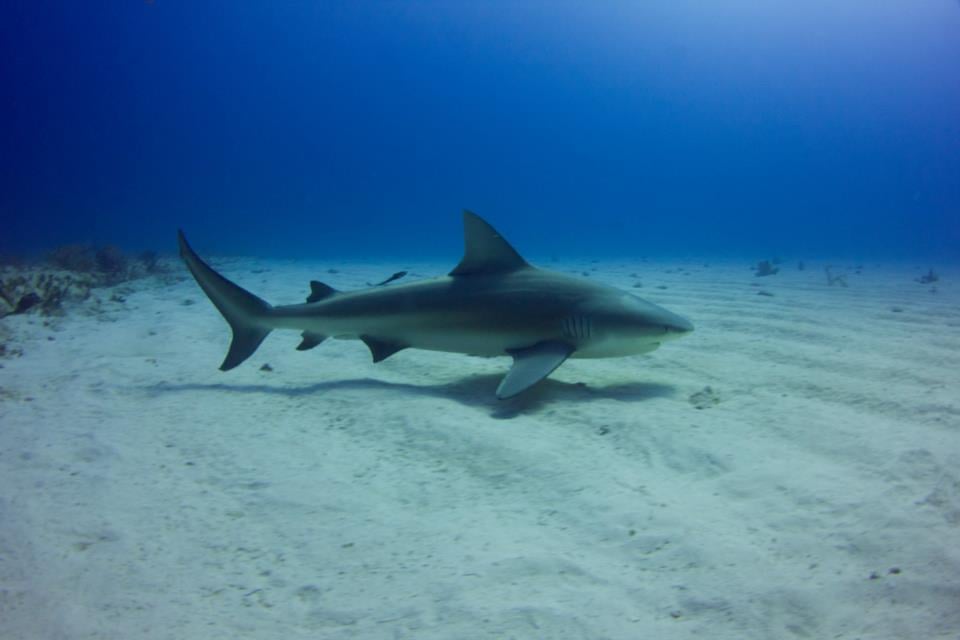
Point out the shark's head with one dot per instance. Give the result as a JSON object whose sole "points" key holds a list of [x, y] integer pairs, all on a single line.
{"points": [[624, 324]]}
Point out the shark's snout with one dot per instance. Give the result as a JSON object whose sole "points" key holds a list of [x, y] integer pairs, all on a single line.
{"points": [[680, 325], [677, 326]]}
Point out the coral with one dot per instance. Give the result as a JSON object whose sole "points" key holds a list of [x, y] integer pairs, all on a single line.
{"points": [[44, 291], [70, 274], [149, 261], [112, 262], [107, 261], [73, 257], [11, 260], [32, 299]]}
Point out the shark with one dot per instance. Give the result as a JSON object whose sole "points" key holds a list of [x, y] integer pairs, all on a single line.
{"points": [[493, 303]]}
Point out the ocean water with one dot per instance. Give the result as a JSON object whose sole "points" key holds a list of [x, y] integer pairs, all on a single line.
{"points": [[786, 470], [310, 130]]}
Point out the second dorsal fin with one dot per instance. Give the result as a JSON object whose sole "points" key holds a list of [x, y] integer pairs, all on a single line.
{"points": [[319, 291], [485, 251]]}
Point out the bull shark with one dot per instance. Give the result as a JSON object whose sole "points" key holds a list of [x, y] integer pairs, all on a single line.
{"points": [[493, 303]]}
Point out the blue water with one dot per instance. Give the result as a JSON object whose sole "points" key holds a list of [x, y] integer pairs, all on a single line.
{"points": [[316, 129]]}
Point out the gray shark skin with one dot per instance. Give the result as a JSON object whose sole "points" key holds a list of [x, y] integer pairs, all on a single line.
{"points": [[492, 304]]}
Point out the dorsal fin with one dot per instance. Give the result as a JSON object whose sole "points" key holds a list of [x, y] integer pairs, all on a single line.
{"points": [[485, 250], [319, 291]]}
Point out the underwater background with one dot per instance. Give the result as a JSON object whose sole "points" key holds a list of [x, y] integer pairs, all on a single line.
{"points": [[361, 129], [784, 175]]}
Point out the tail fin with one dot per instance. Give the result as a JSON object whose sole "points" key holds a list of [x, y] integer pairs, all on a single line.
{"points": [[246, 313]]}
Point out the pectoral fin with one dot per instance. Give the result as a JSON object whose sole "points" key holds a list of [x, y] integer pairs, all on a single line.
{"points": [[531, 365]]}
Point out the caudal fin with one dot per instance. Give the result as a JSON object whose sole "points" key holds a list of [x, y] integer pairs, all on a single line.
{"points": [[247, 315]]}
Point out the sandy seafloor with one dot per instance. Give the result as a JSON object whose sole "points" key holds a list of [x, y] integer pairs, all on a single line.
{"points": [[145, 494]]}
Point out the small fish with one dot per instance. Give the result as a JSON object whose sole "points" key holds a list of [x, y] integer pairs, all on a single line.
{"points": [[396, 276]]}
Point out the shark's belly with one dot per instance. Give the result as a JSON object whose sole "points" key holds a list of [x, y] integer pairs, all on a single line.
{"points": [[484, 336], [475, 330], [494, 343], [612, 349], [469, 333], [470, 344], [472, 340]]}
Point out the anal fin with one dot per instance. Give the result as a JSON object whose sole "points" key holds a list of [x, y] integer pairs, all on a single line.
{"points": [[310, 340], [531, 365], [381, 349]]}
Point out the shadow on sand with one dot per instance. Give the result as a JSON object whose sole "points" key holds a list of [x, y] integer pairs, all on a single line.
{"points": [[475, 391]]}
